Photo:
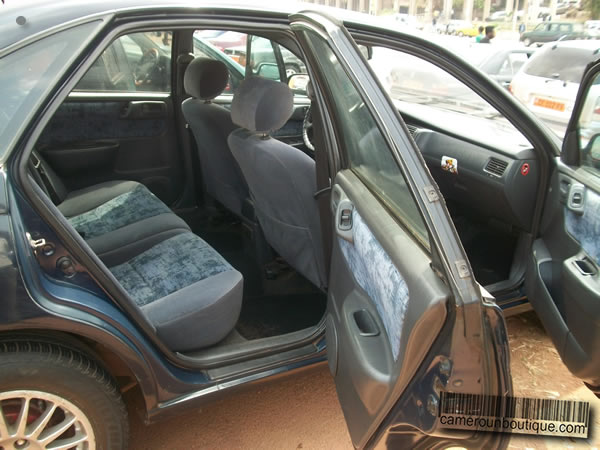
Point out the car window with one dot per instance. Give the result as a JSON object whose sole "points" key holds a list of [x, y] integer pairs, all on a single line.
{"points": [[513, 63], [263, 62], [368, 153], [28, 74], [540, 27], [564, 27], [562, 63], [230, 47], [589, 129], [554, 27], [133, 62]]}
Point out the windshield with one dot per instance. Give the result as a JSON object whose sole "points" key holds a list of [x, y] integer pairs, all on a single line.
{"points": [[561, 63], [415, 81]]}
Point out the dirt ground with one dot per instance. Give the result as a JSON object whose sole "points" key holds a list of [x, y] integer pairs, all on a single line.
{"points": [[303, 412]]}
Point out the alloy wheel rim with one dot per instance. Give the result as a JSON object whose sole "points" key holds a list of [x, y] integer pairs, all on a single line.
{"points": [[40, 420]]}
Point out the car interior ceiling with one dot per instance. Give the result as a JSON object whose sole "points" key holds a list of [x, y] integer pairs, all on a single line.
{"points": [[278, 303]]}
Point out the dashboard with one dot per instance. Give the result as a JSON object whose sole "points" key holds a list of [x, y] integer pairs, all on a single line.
{"points": [[495, 183]]}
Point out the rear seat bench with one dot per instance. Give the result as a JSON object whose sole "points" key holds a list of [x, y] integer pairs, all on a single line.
{"points": [[185, 288]]}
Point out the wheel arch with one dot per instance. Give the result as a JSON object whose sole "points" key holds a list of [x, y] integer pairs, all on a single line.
{"points": [[128, 370]]}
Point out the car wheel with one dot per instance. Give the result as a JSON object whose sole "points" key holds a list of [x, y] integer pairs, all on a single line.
{"points": [[291, 69], [54, 396], [527, 42], [460, 34]]}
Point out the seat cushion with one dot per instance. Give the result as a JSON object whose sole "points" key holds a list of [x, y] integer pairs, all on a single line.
{"points": [[189, 292], [106, 207]]}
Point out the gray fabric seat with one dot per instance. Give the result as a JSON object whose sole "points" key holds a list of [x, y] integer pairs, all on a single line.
{"points": [[117, 217], [113, 217], [211, 124], [190, 293], [281, 178]]}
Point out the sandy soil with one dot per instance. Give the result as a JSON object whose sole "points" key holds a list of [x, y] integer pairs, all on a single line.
{"points": [[303, 412]]}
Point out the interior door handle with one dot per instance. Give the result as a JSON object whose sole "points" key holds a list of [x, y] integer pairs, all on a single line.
{"points": [[365, 323]]}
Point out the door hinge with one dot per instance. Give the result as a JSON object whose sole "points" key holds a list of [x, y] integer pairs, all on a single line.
{"points": [[431, 194]]}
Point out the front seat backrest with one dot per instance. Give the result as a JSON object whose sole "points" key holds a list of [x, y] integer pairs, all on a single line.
{"points": [[281, 178], [211, 124]]}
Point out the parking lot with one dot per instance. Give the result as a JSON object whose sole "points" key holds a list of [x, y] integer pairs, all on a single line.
{"points": [[303, 412]]}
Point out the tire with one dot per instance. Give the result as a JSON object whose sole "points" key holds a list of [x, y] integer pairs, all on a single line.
{"points": [[527, 42], [48, 377], [460, 34]]}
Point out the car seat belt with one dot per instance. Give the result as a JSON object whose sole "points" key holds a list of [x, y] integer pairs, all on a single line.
{"points": [[37, 164]]}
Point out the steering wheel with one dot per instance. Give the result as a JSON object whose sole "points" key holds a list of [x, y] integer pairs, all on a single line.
{"points": [[146, 67], [307, 130]]}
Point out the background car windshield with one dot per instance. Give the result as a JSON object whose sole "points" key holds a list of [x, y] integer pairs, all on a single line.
{"points": [[565, 64]]}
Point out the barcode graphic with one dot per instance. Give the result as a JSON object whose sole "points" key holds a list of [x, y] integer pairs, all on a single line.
{"points": [[565, 411]]}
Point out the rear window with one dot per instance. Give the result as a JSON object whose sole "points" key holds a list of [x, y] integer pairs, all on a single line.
{"points": [[563, 63]]}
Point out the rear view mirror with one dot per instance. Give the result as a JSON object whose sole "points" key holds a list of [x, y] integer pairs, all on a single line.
{"points": [[298, 82]]}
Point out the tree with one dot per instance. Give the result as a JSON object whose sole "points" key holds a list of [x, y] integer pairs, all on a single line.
{"points": [[593, 6]]}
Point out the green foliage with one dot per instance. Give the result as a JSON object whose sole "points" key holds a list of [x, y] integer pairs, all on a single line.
{"points": [[593, 6]]}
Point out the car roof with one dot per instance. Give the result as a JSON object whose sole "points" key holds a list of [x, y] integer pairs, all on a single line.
{"points": [[585, 44], [42, 15]]}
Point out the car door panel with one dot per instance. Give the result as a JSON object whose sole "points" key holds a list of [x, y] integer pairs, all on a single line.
{"points": [[94, 138], [562, 280], [377, 303], [397, 328], [563, 275]]}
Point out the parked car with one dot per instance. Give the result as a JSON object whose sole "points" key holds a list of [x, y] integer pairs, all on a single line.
{"points": [[552, 31], [548, 83], [592, 28], [497, 16], [184, 242], [461, 26], [466, 29], [265, 58], [504, 62]]}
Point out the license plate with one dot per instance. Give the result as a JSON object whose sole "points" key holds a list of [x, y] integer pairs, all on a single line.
{"points": [[550, 104]]}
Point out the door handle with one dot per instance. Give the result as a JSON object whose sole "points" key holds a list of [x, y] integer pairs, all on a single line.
{"points": [[365, 323], [145, 109], [576, 198]]}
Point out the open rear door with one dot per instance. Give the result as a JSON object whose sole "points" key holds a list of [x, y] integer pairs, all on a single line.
{"points": [[405, 320], [563, 277]]}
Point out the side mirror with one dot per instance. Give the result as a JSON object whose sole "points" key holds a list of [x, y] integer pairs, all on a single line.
{"points": [[268, 70], [591, 152], [367, 51], [298, 82]]}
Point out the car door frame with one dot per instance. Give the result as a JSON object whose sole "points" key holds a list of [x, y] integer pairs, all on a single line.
{"points": [[447, 254], [563, 326]]}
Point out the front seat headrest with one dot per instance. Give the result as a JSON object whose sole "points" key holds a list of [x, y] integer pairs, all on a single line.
{"points": [[205, 78], [262, 105]]}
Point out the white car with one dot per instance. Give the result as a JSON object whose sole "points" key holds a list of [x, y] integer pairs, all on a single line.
{"points": [[547, 84]]}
